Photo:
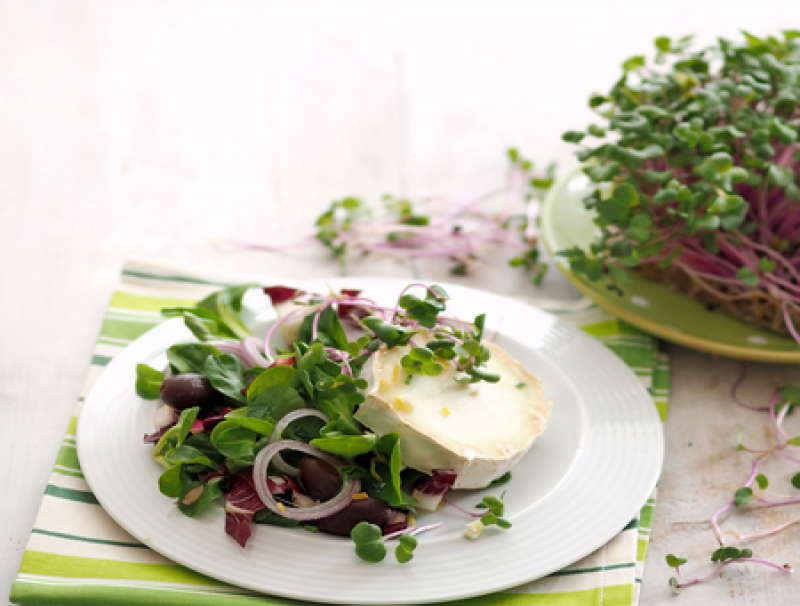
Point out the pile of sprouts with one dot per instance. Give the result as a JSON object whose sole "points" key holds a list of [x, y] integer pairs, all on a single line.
{"points": [[696, 172], [461, 230]]}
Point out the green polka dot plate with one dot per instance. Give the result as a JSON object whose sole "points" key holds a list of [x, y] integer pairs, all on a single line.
{"points": [[649, 305]]}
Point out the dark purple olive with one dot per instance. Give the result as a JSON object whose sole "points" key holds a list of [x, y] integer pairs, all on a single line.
{"points": [[188, 391], [320, 479], [370, 510]]}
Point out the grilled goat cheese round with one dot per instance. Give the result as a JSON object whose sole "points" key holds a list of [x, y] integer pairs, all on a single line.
{"points": [[480, 429]]}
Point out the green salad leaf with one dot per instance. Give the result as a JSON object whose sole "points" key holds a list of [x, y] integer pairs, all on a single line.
{"points": [[148, 382]]}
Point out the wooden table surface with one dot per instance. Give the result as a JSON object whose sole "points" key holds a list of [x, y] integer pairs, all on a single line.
{"points": [[148, 128]]}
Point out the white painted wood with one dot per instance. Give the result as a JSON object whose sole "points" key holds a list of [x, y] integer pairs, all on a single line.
{"points": [[148, 128]]}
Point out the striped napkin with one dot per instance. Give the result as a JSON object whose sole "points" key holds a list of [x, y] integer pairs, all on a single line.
{"points": [[78, 555]]}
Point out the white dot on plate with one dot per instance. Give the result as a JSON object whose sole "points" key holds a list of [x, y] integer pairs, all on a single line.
{"points": [[757, 339], [640, 301]]}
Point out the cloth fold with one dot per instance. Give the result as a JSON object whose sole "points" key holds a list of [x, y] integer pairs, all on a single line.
{"points": [[77, 554]]}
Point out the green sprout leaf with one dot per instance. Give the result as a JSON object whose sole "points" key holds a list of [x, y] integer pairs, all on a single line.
{"points": [[791, 394], [729, 552], [742, 495], [748, 276], [369, 542], [573, 136], [740, 438], [503, 479], [762, 481], [496, 509], [621, 201], [633, 63], [766, 265], [674, 562], [405, 549]]}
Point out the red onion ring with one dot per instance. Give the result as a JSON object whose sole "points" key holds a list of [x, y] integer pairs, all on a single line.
{"points": [[277, 460], [323, 510], [253, 346], [235, 349]]}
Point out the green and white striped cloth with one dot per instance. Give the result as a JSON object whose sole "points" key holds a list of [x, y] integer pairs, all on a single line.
{"points": [[78, 555]]}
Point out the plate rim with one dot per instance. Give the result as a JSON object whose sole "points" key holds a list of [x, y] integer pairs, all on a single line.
{"points": [[453, 595], [650, 326]]}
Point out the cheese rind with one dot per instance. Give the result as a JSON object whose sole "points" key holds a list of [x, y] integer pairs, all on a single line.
{"points": [[490, 426]]}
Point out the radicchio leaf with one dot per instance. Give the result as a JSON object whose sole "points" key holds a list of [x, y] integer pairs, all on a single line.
{"points": [[440, 482], [430, 493], [281, 294], [284, 361], [398, 520], [241, 503], [209, 423], [153, 438], [346, 312]]}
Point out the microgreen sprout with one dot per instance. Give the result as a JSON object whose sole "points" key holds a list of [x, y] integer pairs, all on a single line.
{"points": [[496, 509], [493, 507], [696, 174], [460, 229], [754, 491], [448, 341], [369, 542], [405, 549], [723, 556]]}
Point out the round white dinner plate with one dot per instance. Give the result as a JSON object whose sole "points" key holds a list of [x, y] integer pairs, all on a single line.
{"points": [[582, 481]]}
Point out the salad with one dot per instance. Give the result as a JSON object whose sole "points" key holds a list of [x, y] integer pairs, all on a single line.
{"points": [[274, 431]]}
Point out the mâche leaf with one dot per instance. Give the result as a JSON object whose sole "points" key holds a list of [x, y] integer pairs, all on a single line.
{"points": [[148, 382]]}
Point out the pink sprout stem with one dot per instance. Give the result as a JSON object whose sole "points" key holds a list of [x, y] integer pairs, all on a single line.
{"points": [[714, 525], [786, 456], [734, 389], [780, 435], [412, 531], [789, 324], [689, 582], [465, 511], [466, 205], [778, 503], [751, 537]]}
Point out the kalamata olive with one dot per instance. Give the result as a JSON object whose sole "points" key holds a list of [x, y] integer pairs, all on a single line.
{"points": [[188, 390], [320, 479], [370, 510]]}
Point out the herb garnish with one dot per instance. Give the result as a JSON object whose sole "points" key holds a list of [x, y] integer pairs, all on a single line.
{"points": [[459, 229], [755, 489]]}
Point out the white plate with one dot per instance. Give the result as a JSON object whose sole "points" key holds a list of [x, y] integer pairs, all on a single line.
{"points": [[582, 482]]}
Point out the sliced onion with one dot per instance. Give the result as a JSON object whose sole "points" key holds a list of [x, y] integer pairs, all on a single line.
{"points": [[253, 346], [165, 416], [235, 349], [277, 460], [323, 510]]}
